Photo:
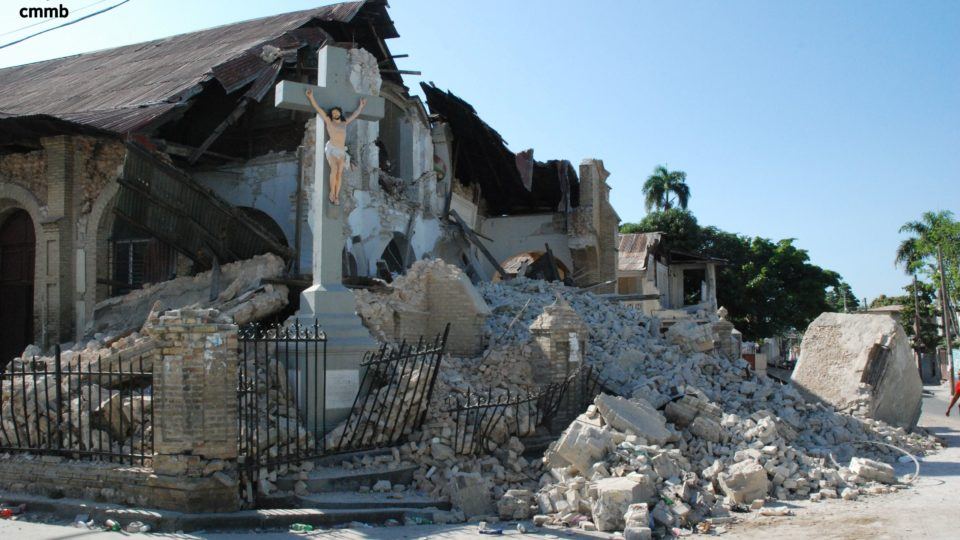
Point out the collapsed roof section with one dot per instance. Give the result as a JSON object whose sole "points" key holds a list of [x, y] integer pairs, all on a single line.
{"points": [[137, 87], [482, 158]]}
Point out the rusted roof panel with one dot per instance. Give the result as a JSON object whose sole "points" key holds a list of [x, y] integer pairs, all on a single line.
{"points": [[110, 84], [633, 250]]}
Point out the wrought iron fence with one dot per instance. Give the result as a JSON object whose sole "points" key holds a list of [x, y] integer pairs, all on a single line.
{"points": [[488, 418], [282, 397], [394, 394], [79, 410]]}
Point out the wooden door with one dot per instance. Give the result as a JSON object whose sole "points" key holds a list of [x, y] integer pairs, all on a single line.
{"points": [[17, 249]]}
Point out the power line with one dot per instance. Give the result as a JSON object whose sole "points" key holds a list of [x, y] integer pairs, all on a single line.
{"points": [[94, 14], [48, 19]]}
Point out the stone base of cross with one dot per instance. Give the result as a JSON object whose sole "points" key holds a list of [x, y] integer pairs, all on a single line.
{"points": [[327, 300]]}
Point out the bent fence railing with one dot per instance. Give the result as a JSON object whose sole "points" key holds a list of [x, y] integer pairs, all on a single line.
{"points": [[486, 419], [283, 381], [78, 409]]}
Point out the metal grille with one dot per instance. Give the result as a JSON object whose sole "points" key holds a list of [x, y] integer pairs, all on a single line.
{"points": [[81, 412], [484, 420], [283, 416]]}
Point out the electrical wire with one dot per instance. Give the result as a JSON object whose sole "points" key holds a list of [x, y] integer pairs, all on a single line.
{"points": [[48, 19], [916, 462], [94, 14]]}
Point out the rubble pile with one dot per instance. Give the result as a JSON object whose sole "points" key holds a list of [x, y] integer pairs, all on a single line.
{"points": [[108, 413], [725, 437], [243, 296], [695, 434]]}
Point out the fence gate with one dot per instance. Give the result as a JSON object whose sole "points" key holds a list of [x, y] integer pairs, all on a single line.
{"points": [[283, 423]]}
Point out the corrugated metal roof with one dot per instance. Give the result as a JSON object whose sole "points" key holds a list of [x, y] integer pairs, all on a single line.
{"points": [[122, 88], [633, 250]]}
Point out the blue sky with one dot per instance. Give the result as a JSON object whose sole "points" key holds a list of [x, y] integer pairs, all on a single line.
{"points": [[829, 122]]}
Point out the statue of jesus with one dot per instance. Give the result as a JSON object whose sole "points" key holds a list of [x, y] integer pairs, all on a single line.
{"points": [[335, 148]]}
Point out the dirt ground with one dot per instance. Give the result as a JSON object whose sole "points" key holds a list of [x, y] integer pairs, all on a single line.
{"points": [[928, 510]]}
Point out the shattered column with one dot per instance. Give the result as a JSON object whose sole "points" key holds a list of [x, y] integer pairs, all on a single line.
{"points": [[561, 337], [195, 410]]}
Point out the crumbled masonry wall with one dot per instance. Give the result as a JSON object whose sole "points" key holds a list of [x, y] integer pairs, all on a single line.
{"points": [[243, 296], [861, 362], [421, 302]]}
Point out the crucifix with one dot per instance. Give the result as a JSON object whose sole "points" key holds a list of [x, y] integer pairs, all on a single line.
{"points": [[327, 301]]}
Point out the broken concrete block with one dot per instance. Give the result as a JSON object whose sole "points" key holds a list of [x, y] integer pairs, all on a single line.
{"points": [[614, 497], [872, 471], [690, 336], [745, 482], [470, 492], [840, 352], [680, 412], [516, 504], [706, 429], [581, 445], [634, 416], [637, 515], [666, 467]]}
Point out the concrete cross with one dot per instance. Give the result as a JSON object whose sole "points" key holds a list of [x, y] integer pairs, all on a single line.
{"points": [[333, 89], [327, 301]]}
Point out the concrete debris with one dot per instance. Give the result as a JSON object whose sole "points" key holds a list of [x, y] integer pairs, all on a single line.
{"points": [[863, 364], [690, 336], [872, 471], [745, 482], [634, 416], [422, 301], [725, 436], [245, 297], [516, 504]]}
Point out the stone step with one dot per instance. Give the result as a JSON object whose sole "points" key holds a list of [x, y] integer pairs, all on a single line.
{"points": [[344, 500], [327, 479]]}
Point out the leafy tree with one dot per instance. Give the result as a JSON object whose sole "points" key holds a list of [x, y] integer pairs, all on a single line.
{"points": [[680, 228], [768, 287], [837, 295], [661, 184]]}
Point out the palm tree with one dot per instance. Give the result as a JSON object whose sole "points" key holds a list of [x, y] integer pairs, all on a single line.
{"points": [[661, 184], [911, 251]]}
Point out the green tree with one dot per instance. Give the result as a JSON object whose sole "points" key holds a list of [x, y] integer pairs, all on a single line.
{"points": [[768, 287], [661, 184], [680, 228], [918, 252], [836, 296], [928, 309]]}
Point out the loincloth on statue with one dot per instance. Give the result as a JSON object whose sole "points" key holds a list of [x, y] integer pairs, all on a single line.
{"points": [[332, 151]]}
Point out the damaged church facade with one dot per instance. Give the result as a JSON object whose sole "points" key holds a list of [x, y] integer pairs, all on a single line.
{"points": [[133, 165]]}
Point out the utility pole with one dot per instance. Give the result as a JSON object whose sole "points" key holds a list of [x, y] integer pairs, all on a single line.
{"points": [[947, 319], [916, 328]]}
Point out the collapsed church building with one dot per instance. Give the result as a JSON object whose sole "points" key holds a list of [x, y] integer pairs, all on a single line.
{"points": [[136, 164], [162, 215]]}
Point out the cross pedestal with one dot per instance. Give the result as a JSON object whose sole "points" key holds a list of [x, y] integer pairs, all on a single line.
{"points": [[327, 300]]}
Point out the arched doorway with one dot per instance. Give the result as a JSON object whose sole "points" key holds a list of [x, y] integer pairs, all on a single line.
{"points": [[17, 251], [398, 254]]}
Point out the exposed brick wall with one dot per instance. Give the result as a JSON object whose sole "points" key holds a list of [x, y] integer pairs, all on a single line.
{"points": [[26, 170]]}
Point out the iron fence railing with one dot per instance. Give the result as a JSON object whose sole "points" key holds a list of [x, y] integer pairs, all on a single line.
{"points": [[283, 396], [485, 419], [79, 410], [394, 394]]}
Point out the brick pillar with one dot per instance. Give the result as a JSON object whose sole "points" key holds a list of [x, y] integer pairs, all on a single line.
{"points": [[195, 410], [561, 337]]}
